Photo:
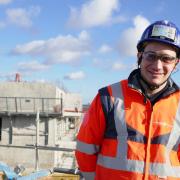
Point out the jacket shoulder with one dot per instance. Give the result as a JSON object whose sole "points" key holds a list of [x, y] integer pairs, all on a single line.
{"points": [[106, 91]]}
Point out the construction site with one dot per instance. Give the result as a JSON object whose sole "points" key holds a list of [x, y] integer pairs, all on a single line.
{"points": [[38, 125]]}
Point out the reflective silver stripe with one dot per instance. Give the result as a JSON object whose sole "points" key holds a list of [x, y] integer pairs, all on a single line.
{"points": [[160, 169], [88, 175], [175, 132], [116, 163], [119, 117], [87, 148]]}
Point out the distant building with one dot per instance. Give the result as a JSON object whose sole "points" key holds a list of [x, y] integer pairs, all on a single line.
{"points": [[21, 103], [85, 108]]}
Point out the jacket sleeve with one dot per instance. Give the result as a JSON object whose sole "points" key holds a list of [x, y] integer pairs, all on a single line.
{"points": [[179, 153], [89, 138]]}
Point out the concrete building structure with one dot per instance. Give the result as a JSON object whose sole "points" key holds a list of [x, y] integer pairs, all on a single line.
{"points": [[38, 122]]}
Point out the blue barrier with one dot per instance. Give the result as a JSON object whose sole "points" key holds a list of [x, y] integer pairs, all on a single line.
{"points": [[35, 175], [10, 174]]}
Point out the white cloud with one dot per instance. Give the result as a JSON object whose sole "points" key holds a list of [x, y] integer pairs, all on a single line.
{"points": [[32, 48], [129, 38], [5, 1], [103, 64], [8, 76], [61, 49], [11, 76], [41, 81], [75, 75], [95, 13], [109, 64], [105, 48], [84, 35], [32, 66], [20, 16], [118, 66]]}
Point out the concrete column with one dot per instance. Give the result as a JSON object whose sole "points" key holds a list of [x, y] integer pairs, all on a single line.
{"points": [[52, 132], [10, 130], [37, 141], [67, 123], [46, 126]]}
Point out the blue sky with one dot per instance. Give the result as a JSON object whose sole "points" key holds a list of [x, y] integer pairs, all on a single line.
{"points": [[79, 45]]}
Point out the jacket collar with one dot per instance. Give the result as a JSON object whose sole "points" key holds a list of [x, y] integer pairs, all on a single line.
{"points": [[134, 81]]}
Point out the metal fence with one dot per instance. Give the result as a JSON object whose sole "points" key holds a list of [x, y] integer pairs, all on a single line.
{"points": [[30, 104]]}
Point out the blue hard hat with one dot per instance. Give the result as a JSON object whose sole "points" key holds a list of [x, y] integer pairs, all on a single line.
{"points": [[161, 31]]}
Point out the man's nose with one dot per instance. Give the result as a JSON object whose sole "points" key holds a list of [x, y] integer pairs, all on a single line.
{"points": [[158, 63]]}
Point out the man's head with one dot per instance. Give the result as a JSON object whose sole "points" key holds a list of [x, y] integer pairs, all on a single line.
{"points": [[158, 52]]}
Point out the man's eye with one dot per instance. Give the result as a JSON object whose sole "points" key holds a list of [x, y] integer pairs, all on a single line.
{"points": [[151, 56], [166, 58]]}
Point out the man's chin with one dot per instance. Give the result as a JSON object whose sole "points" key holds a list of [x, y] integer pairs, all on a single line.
{"points": [[156, 83]]}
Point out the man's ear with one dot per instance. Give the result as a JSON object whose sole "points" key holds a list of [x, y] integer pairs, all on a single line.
{"points": [[139, 58], [139, 55]]}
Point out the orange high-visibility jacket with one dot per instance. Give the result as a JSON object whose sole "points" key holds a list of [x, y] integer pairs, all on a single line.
{"points": [[124, 137]]}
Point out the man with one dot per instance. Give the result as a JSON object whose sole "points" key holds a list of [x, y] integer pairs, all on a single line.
{"points": [[132, 128]]}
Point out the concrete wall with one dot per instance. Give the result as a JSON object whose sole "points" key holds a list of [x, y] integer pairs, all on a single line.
{"points": [[30, 97], [24, 130], [27, 89], [20, 129], [26, 157], [24, 134], [72, 105]]}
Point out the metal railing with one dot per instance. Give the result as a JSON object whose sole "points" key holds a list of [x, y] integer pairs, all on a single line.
{"points": [[30, 104]]}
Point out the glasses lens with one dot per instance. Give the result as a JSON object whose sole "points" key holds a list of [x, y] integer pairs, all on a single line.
{"points": [[168, 59], [151, 57]]}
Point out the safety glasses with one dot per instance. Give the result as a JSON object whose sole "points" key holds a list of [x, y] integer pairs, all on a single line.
{"points": [[151, 57]]}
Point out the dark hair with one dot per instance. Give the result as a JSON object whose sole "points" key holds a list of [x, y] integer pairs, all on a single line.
{"points": [[177, 52], [139, 60]]}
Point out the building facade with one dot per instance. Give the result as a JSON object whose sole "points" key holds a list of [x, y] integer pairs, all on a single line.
{"points": [[35, 118]]}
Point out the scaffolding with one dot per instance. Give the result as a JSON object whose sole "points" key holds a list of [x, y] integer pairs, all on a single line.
{"points": [[30, 105], [37, 109]]}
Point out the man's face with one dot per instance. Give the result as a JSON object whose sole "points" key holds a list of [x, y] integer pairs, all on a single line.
{"points": [[158, 61]]}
